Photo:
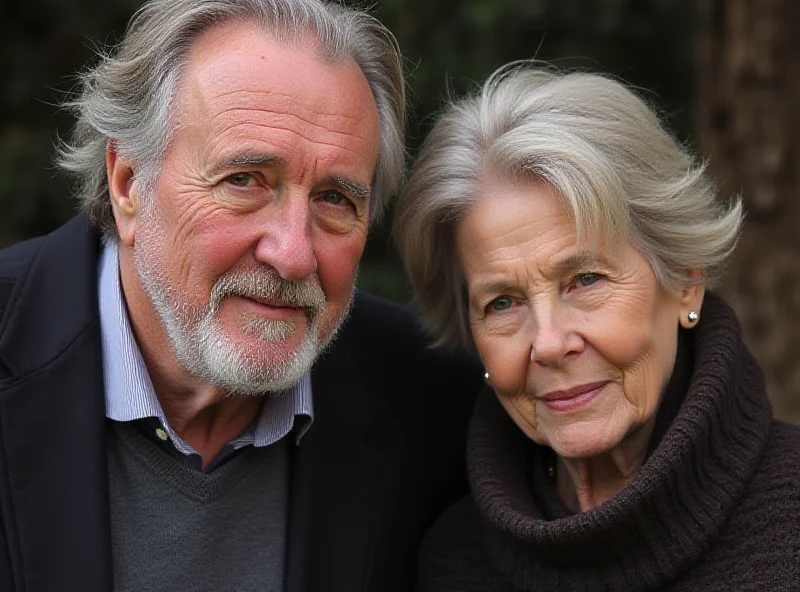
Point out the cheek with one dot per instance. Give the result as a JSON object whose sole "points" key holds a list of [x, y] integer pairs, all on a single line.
{"points": [[337, 262], [523, 413], [627, 350], [646, 360], [211, 251], [625, 334], [197, 255], [200, 241], [506, 359]]}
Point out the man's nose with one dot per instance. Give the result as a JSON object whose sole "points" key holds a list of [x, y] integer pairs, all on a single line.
{"points": [[286, 243]]}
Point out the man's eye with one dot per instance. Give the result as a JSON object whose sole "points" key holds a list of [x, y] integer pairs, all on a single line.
{"points": [[240, 179], [500, 303], [334, 198]]}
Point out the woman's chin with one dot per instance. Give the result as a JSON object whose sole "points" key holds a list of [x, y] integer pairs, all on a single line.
{"points": [[583, 441]]}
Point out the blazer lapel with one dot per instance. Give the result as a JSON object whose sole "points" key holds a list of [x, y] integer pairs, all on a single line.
{"points": [[338, 483], [54, 490]]}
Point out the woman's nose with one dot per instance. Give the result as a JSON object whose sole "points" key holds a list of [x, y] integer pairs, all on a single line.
{"points": [[553, 340]]}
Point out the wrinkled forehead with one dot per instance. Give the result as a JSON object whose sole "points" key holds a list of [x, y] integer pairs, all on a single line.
{"points": [[243, 52], [236, 75]]}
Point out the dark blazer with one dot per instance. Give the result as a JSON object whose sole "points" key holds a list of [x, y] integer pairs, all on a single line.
{"points": [[383, 458]]}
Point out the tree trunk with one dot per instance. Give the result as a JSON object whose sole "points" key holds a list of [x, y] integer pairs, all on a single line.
{"points": [[748, 116]]}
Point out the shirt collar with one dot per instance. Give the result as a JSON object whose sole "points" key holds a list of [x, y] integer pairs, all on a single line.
{"points": [[129, 393]]}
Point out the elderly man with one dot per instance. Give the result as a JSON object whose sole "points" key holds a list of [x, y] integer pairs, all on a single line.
{"points": [[157, 424]]}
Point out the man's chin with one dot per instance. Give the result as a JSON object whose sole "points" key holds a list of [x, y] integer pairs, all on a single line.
{"points": [[270, 375], [258, 358], [255, 366], [281, 349]]}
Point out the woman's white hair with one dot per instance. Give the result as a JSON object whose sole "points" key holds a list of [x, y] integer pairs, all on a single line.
{"points": [[128, 96], [598, 145]]}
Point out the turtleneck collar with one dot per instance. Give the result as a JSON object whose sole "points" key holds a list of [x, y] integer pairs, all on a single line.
{"points": [[710, 430]]}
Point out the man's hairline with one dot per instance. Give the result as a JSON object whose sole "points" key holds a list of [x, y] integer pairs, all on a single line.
{"points": [[173, 125]]}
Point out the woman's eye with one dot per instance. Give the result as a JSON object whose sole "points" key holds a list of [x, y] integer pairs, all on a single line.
{"points": [[500, 303], [240, 179], [586, 279]]}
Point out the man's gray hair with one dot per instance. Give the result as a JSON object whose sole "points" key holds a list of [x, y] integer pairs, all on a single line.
{"points": [[128, 97], [598, 145]]}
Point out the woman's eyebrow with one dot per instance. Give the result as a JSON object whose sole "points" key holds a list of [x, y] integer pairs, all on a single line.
{"points": [[489, 286], [574, 262]]}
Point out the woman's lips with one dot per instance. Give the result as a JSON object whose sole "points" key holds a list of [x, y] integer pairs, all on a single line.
{"points": [[574, 398]]}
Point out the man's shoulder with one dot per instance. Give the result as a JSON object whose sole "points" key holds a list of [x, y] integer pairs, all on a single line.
{"points": [[375, 315], [14, 262], [388, 342], [16, 259], [382, 327], [48, 294]]}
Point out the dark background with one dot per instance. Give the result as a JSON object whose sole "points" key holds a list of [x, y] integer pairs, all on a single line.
{"points": [[720, 71]]}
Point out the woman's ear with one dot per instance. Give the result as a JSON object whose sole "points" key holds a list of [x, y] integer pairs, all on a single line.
{"points": [[692, 299], [123, 190]]}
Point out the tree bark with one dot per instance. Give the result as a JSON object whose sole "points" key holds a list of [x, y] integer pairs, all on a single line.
{"points": [[748, 124]]}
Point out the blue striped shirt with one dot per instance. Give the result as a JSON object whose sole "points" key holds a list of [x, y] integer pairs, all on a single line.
{"points": [[129, 393]]}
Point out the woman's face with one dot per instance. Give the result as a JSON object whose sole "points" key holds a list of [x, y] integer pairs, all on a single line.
{"points": [[578, 348]]}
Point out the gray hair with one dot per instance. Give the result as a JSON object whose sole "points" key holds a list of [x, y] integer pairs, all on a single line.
{"points": [[598, 145], [128, 97]]}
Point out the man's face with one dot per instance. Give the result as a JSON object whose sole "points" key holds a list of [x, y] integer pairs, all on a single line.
{"points": [[249, 246]]}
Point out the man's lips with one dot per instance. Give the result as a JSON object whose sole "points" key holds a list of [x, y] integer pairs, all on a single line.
{"points": [[271, 308], [272, 303], [572, 398]]}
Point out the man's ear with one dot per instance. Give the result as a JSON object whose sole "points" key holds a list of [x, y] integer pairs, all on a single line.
{"points": [[123, 189], [692, 299]]}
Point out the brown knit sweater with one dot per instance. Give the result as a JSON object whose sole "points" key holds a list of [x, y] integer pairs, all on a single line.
{"points": [[716, 505]]}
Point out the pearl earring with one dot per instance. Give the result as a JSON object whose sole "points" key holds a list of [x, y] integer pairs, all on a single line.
{"points": [[692, 316]]}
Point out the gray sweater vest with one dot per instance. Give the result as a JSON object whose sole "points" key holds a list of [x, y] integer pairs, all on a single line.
{"points": [[176, 528]]}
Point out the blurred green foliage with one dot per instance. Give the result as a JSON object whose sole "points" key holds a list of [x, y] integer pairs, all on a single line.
{"points": [[450, 46]]}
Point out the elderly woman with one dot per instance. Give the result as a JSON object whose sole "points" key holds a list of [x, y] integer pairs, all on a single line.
{"points": [[624, 440]]}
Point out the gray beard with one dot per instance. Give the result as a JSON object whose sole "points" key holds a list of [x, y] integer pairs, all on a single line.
{"points": [[200, 344]]}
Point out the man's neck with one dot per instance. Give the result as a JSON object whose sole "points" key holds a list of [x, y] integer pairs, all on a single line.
{"points": [[204, 416]]}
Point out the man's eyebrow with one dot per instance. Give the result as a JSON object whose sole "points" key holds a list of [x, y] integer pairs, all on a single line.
{"points": [[247, 159], [354, 188]]}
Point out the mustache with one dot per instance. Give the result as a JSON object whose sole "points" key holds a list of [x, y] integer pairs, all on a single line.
{"points": [[267, 284]]}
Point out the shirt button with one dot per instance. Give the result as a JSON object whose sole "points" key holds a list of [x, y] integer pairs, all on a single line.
{"points": [[162, 435]]}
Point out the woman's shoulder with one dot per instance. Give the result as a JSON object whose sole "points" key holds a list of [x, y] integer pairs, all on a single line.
{"points": [[760, 542], [454, 556], [773, 491], [780, 460], [782, 430]]}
